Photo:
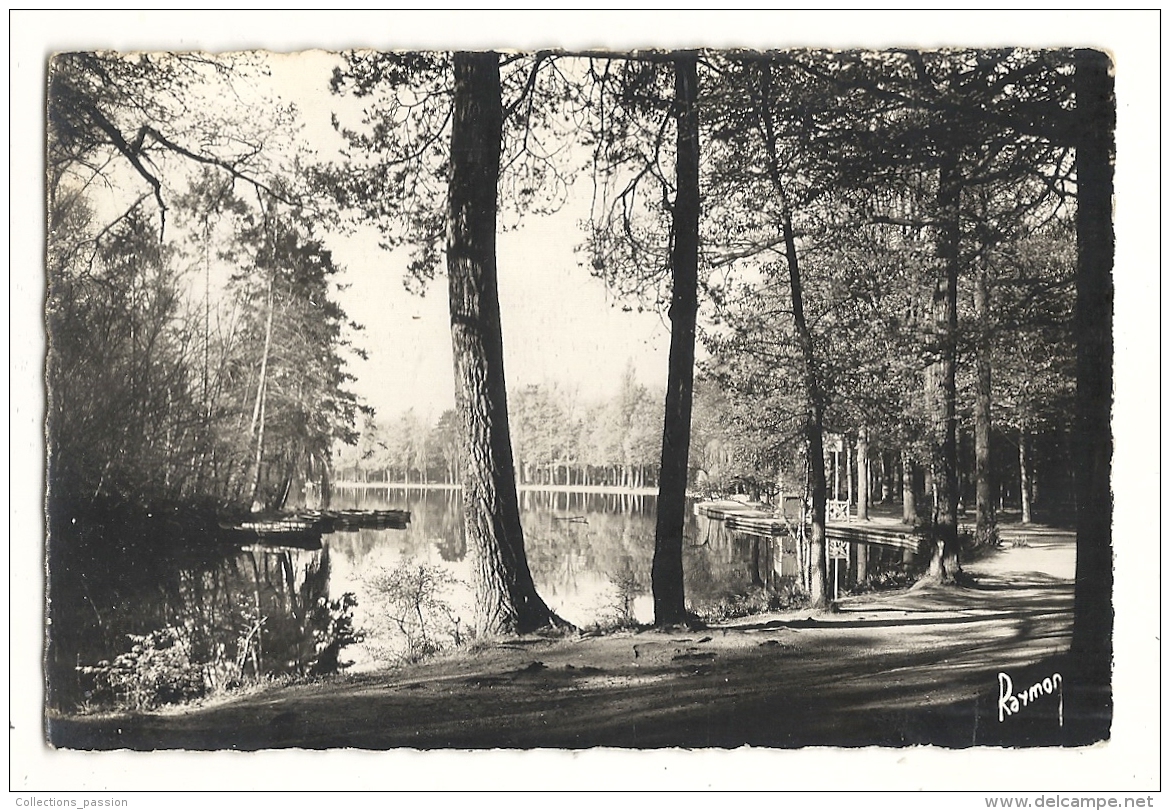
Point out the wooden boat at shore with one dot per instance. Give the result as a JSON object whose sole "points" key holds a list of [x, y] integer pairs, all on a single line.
{"points": [[753, 518], [304, 529], [351, 520], [284, 531]]}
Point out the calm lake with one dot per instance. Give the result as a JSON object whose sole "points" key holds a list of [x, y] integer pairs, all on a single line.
{"points": [[586, 550], [257, 609]]}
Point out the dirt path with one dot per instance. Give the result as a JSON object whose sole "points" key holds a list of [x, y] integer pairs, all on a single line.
{"points": [[901, 668]]}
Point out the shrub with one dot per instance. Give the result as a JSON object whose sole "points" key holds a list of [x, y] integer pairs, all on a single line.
{"points": [[333, 629], [988, 537], [788, 594], [978, 544], [626, 588], [156, 670], [884, 579], [413, 597]]}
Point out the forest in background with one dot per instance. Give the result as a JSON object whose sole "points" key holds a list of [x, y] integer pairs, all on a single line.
{"points": [[564, 441]]}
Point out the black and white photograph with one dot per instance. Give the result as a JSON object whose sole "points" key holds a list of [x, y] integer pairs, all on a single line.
{"points": [[424, 392]]}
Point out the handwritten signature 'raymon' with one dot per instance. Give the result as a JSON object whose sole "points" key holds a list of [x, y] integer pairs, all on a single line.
{"points": [[1011, 702]]}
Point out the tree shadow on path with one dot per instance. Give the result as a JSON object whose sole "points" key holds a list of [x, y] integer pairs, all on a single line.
{"points": [[916, 667]]}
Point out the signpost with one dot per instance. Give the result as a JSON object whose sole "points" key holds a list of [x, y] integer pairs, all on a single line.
{"points": [[838, 551]]}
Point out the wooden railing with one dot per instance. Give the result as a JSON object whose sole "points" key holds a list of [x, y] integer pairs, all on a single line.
{"points": [[752, 520]]}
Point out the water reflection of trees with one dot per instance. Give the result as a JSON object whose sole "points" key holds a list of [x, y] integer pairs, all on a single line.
{"points": [[436, 522], [255, 611], [588, 552], [243, 614]]}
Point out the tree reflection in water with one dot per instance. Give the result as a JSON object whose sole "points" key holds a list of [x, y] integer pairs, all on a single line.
{"points": [[590, 553], [266, 611], [240, 614]]}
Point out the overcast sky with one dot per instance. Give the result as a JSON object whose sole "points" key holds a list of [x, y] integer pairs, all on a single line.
{"points": [[560, 323]]}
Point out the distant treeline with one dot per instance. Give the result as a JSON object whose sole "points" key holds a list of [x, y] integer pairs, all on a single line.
{"points": [[736, 447], [559, 440]]}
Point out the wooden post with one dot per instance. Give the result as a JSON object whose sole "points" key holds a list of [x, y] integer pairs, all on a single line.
{"points": [[836, 475]]}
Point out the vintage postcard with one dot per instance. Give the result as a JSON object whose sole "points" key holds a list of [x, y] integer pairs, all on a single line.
{"points": [[450, 395]]}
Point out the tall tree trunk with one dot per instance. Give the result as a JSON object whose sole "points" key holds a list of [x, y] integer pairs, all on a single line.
{"points": [[326, 481], [909, 490], [667, 568], [910, 500], [940, 380], [205, 448], [863, 474], [258, 411], [963, 461], [835, 467], [884, 484], [814, 417], [984, 490], [1092, 641], [506, 598], [1025, 477], [814, 433]]}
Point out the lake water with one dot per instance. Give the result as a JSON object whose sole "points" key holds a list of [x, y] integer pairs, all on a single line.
{"points": [[590, 553], [262, 610]]}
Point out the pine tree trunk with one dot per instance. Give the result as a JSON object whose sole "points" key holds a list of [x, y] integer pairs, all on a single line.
{"points": [[258, 412], [667, 568], [984, 489], [885, 480], [814, 399], [863, 474], [1092, 638], [506, 598], [909, 491], [326, 482], [1025, 478], [962, 462], [940, 381], [848, 474]]}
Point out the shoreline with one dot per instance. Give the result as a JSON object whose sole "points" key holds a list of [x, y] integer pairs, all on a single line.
{"points": [[598, 489], [783, 679]]}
